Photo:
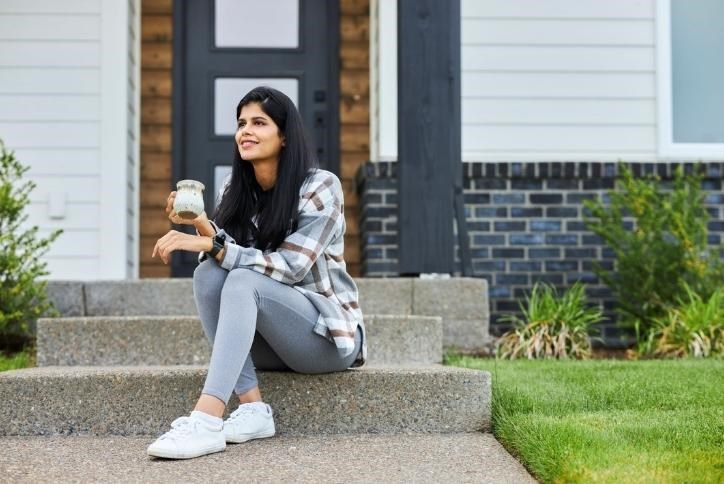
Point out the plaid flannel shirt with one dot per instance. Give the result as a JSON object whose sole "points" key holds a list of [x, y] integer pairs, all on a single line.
{"points": [[311, 260]]}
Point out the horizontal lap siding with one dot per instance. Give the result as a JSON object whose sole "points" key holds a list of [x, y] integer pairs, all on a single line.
{"points": [[559, 86], [559, 138], [45, 7], [558, 111], [585, 31], [559, 9], [575, 58], [50, 116], [57, 81], [55, 108], [65, 162], [83, 216], [51, 136], [558, 79], [49, 53]]}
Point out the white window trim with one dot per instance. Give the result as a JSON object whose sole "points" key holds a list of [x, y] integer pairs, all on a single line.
{"points": [[373, 80], [113, 140], [668, 149], [383, 80], [137, 141]]}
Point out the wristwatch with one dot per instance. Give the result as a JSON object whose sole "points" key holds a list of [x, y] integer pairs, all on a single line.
{"points": [[218, 241]]}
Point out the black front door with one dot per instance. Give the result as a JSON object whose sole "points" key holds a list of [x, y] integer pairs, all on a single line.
{"points": [[224, 48]]}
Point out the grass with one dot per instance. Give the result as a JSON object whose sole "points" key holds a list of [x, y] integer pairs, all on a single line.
{"points": [[21, 359], [610, 421]]}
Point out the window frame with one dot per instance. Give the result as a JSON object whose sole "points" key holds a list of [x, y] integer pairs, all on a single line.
{"points": [[667, 147]]}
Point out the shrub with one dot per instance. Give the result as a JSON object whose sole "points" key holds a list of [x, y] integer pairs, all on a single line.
{"points": [[693, 328], [22, 298], [664, 250], [552, 327]]}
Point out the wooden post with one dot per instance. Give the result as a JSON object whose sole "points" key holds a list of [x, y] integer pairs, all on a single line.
{"points": [[429, 139]]}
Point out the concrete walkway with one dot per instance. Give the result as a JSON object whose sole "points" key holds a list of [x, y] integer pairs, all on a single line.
{"points": [[470, 457]]}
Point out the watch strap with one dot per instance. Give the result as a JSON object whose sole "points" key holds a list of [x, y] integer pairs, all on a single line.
{"points": [[218, 243], [215, 249]]}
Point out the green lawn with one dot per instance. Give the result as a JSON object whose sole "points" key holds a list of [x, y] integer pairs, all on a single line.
{"points": [[610, 420]]}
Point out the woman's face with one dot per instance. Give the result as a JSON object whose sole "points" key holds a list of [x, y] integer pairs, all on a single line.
{"points": [[257, 136]]}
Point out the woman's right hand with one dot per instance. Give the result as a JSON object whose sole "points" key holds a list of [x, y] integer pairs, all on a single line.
{"points": [[174, 217]]}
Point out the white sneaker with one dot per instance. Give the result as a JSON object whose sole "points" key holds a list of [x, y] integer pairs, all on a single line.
{"points": [[249, 421], [189, 437]]}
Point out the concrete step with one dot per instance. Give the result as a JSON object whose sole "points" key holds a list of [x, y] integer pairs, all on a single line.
{"points": [[131, 400], [462, 302], [468, 457], [180, 340]]}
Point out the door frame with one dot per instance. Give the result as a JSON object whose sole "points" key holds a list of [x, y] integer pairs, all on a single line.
{"points": [[178, 133]]}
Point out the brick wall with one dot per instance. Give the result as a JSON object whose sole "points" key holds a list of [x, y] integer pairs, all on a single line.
{"points": [[525, 224]]}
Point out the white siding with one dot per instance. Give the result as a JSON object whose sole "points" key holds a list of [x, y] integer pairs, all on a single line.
{"points": [[37, 80], [52, 115], [559, 79], [48, 27], [68, 107], [49, 53], [45, 7]]}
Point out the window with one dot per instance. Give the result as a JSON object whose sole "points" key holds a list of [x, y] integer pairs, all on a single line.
{"points": [[250, 23], [690, 72]]}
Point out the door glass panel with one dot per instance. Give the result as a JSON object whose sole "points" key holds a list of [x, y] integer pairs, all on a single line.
{"points": [[254, 23], [229, 91]]}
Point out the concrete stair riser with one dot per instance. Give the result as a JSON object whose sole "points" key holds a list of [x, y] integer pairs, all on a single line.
{"points": [[180, 340], [386, 296], [144, 400], [462, 303]]}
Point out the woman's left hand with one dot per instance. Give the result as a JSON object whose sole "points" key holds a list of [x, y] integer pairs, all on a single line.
{"points": [[175, 240]]}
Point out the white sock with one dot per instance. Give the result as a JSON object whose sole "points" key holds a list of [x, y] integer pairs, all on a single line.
{"points": [[213, 422]]}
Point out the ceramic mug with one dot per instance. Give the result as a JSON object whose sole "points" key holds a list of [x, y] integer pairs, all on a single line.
{"points": [[189, 202]]}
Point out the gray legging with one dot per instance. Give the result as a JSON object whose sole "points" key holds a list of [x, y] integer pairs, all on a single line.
{"points": [[260, 323]]}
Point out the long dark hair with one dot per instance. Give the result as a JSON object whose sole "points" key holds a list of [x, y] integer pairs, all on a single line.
{"points": [[244, 197]]}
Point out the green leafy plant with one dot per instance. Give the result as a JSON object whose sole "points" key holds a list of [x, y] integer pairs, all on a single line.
{"points": [[663, 249], [22, 296], [551, 327], [693, 328]]}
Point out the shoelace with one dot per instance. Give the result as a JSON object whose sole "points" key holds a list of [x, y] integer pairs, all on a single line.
{"points": [[242, 410], [180, 427]]}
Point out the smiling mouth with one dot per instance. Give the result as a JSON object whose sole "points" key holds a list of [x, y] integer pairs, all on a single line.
{"points": [[248, 144]]}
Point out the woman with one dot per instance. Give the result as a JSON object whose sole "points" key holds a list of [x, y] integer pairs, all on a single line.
{"points": [[271, 288]]}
